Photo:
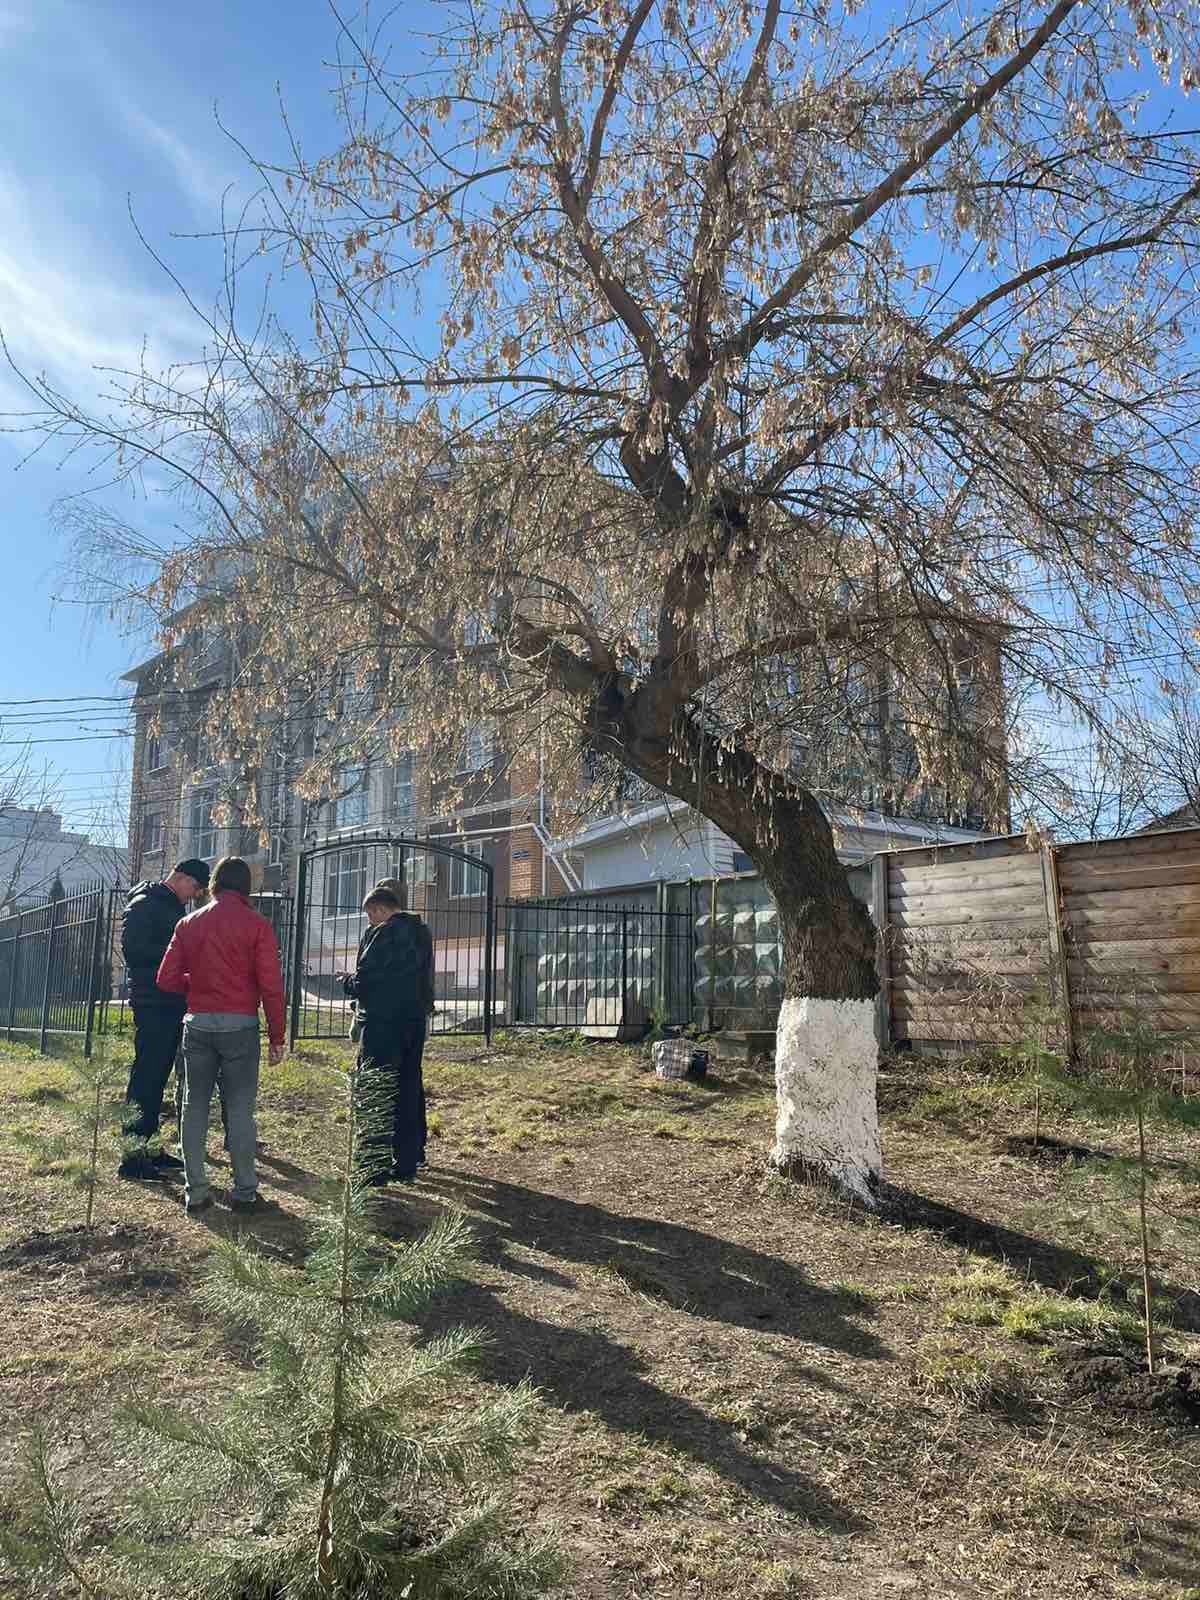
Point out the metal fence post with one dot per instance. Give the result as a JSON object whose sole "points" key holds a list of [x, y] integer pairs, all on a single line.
{"points": [[489, 955], [300, 912], [12, 977], [662, 946], [54, 905], [624, 966], [94, 974]]}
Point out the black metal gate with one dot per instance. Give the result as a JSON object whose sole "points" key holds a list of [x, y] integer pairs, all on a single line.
{"points": [[451, 890]]}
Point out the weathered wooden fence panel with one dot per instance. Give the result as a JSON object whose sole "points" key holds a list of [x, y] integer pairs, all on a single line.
{"points": [[1132, 910], [975, 934], [966, 934]]}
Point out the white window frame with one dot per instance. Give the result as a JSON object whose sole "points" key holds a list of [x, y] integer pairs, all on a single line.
{"points": [[153, 843], [477, 737], [277, 811], [204, 836], [345, 883], [154, 753], [396, 812], [205, 744], [359, 796], [458, 889]]}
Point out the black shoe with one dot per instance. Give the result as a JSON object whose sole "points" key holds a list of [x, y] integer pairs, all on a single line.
{"points": [[250, 1206], [165, 1162], [139, 1169], [396, 1176], [200, 1205]]}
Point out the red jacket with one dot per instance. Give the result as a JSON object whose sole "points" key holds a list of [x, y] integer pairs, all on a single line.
{"points": [[224, 958]]}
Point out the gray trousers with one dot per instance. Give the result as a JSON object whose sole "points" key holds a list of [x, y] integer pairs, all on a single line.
{"points": [[232, 1057]]}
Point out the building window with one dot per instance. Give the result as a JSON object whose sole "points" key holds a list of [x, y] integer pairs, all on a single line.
{"points": [[467, 881], [476, 748], [152, 833], [401, 803], [346, 883], [205, 744], [201, 825], [277, 813], [352, 804], [154, 753]]}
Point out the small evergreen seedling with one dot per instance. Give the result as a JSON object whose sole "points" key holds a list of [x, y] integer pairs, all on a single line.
{"points": [[1124, 1078], [336, 1475], [42, 1533], [88, 1110]]}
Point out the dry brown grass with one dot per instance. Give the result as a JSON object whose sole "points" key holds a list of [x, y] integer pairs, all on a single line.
{"points": [[748, 1390]]}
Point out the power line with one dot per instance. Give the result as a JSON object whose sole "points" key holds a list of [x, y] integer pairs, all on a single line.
{"points": [[86, 738]]}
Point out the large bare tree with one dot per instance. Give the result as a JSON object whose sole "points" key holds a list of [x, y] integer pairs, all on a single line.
{"points": [[678, 367]]}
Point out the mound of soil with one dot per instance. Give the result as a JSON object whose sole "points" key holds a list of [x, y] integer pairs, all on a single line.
{"points": [[1050, 1152], [1121, 1383]]}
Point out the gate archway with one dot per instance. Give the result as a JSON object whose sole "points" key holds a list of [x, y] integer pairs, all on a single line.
{"points": [[451, 889]]}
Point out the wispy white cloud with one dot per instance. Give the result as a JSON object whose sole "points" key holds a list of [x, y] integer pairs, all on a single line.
{"points": [[61, 313], [201, 179]]}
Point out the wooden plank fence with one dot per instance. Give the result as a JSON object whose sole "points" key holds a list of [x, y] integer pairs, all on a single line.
{"points": [[972, 935]]}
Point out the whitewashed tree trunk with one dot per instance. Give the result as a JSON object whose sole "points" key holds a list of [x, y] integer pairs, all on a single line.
{"points": [[826, 1069]]}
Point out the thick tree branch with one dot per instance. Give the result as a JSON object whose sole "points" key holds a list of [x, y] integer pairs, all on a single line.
{"points": [[900, 382], [741, 343], [595, 150]]}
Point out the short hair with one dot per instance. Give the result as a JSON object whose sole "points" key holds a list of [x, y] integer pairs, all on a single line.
{"points": [[382, 897], [232, 873]]}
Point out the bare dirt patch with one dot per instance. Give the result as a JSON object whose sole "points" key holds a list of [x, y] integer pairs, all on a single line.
{"points": [[1050, 1152]]}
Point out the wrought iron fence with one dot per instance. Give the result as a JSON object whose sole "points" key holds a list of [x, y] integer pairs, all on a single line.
{"points": [[56, 965]]}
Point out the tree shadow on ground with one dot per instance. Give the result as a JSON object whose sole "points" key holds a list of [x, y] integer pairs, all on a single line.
{"points": [[1052, 1266], [711, 1278], [584, 1369], [286, 1175]]}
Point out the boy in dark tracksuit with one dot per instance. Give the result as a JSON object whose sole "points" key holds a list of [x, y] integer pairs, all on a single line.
{"points": [[392, 986]]}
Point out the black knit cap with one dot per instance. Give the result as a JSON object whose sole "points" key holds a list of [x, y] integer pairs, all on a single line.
{"points": [[194, 868]]}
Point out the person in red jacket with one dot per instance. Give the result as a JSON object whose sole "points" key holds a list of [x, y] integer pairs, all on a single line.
{"points": [[225, 960]]}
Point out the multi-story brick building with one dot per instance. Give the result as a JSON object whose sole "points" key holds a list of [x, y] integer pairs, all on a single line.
{"points": [[184, 802]]}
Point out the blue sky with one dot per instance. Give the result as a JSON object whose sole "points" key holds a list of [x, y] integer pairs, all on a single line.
{"points": [[107, 104]]}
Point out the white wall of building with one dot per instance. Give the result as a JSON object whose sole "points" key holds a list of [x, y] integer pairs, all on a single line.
{"points": [[656, 843], [35, 849], [649, 846]]}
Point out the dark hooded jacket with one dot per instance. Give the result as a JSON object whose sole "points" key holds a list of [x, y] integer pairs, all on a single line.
{"points": [[393, 980], [147, 924]]}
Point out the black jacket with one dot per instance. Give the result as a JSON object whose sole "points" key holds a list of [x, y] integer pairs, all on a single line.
{"points": [[151, 913], [394, 975]]}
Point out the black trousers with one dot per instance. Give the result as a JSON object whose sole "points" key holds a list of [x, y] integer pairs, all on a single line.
{"points": [[157, 1031], [393, 1049]]}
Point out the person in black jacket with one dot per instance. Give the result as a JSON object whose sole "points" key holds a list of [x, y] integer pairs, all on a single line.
{"points": [[151, 913], [392, 986]]}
